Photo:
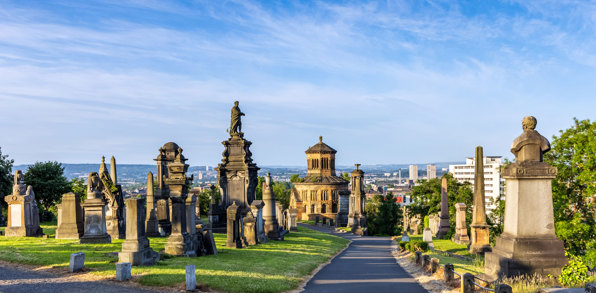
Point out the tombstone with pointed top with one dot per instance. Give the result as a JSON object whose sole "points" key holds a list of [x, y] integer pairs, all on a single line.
{"points": [[479, 242]]}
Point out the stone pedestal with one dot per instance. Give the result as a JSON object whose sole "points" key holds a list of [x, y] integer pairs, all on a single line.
{"points": [[235, 232], [250, 229], [257, 209], [179, 241], [357, 217], [444, 216], [272, 228], [479, 241], [95, 221], [70, 217], [461, 232], [292, 219], [136, 249]]}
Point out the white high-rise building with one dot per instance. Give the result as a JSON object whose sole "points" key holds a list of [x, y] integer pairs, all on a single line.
{"points": [[431, 172], [493, 183], [414, 172]]}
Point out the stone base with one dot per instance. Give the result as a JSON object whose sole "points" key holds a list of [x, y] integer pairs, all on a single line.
{"points": [[166, 226], [177, 245], [442, 232], [152, 228], [461, 239], [23, 232], [145, 257], [100, 239], [513, 256], [479, 243], [68, 231], [209, 243]]}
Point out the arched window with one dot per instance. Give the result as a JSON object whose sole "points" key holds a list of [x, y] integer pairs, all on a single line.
{"points": [[312, 209], [323, 209], [334, 208]]}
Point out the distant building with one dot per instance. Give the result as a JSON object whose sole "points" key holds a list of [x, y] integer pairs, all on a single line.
{"points": [[414, 172], [431, 172], [200, 175], [492, 177]]}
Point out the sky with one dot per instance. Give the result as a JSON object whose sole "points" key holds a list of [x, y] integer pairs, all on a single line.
{"points": [[388, 82]]}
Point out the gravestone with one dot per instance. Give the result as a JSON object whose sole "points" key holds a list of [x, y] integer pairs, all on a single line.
{"points": [[444, 216], [250, 229], [405, 237], [179, 242], [272, 228], [112, 192], [136, 249], [77, 262], [151, 225], [292, 219], [528, 243], [166, 159], [209, 242], [434, 221], [427, 235], [479, 242], [23, 214], [235, 237], [279, 211], [95, 216], [191, 278], [461, 232], [123, 271], [191, 225], [70, 217], [257, 209]]}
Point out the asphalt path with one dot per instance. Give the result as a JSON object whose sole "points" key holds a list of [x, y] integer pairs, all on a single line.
{"points": [[19, 280], [367, 265]]}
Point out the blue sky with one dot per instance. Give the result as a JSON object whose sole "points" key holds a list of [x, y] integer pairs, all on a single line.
{"points": [[382, 82]]}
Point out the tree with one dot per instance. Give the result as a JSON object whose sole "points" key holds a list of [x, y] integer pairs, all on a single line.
{"points": [[282, 191], [295, 178], [259, 189], [205, 199], [6, 177], [573, 152], [383, 215], [345, 176], [79, 187], [49, 183]]}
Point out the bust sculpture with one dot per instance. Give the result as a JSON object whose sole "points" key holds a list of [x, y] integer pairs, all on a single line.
{"points": [[530, 145], [236, 125]]}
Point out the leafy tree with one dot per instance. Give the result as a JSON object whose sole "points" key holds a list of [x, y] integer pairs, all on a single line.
{"points": [[345, 176], [259, 189], [282, 191], [383, 215], [573, 152], [295, 178], [79, 187], [49, 183], [6, 176]]}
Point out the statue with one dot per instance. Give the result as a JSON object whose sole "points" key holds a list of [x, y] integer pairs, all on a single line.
{"points": [[93, 186], [19, 188], [530, 145], [236, 126]]}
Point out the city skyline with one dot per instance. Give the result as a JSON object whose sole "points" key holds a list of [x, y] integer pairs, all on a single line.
{"points": [[383, 83]]}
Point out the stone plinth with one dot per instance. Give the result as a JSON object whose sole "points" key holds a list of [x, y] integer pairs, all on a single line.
{"points": [[136, 249], [235, 237], [70, 217], [95, 222], [257, 209], [479, 241], [461, 232], [528, 243], [444, 216]]}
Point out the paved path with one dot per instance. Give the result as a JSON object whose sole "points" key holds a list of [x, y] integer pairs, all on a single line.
{"points": [[18, 280], [367, 265]]}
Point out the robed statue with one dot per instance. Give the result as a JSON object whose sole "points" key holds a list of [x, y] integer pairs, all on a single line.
{"points": [[236, 126]]}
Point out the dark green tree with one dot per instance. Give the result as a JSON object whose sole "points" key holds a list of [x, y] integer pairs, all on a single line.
{"points": [[49, 184], [259, 189], [79, 187], [282, 191], [573, 152], [6, 176], [383, 215], [295, 178], [345, 176]]}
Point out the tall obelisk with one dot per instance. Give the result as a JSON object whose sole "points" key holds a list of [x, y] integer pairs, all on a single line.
{"points": [[479, 229], [444, 216]]}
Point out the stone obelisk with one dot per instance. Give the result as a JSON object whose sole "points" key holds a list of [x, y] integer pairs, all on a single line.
{"points": [[479, 243], [444, 217], [528, 243], [272, 228], [113, 170], [151, 223]]}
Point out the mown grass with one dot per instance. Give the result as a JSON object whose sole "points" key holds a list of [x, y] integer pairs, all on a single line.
{"points": [[461, 266], [274, 266]]}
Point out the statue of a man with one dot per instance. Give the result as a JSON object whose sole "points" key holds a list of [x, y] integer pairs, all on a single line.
{"points": [[236, 126], [530, 145]]}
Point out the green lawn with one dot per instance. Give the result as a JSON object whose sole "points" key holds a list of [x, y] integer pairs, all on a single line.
{"points": [[475, 266], [271, 267]]}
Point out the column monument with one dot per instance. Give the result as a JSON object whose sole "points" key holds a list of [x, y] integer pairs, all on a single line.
{"points": [[479, 243], [444, 217]]}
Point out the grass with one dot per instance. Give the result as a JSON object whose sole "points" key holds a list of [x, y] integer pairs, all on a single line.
{"points": [[274, 266], [347, 229], [474, 266]]}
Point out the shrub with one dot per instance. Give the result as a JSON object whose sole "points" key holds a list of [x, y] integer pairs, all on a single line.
{"points": [[403, 244], [418, 245], [575, 273]]}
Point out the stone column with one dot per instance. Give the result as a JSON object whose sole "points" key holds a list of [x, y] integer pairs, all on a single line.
{"points": [[269, 211], [191, 227], [179, 242], [461, 232], [479, 242], [257, 209], [151, 224], [528, 243], [113, 170], [136, 249], [70, 222], [95, 215], [444, 217]]}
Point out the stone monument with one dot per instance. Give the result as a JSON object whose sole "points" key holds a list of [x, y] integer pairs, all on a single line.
{"points": [[151, 224], [112, 191], [23, 214], [528, 243], [444, 217], [95, 215], [292, 219], [356, 216], [479, 242], [236, 174], [427, 235], [235, 231], [272, 228], [70, 217], [179, 242], [136, 249], [167, 156], [250, 229], [257, 209], [461, 232], [196, 239]]}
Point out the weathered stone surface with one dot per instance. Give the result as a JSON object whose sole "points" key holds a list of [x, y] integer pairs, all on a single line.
{"points": [[70, 217], [191, 226], [479, 242], [528, 243], [235, 231], [167, 160], [23, 214], [123, 271], [77, 262], [427, 235], [257, 209], [250, 229], [191, 278], [292, 221], [209, 242], [357, 216], [112, 192], [136, 249], [405, 237], [461, 232], [272, 228], [151, 225], [444, 217], [95, 218]]}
